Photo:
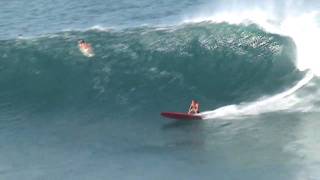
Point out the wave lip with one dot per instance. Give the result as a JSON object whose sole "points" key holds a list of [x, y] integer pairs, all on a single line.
{"points": [[300, 25]]}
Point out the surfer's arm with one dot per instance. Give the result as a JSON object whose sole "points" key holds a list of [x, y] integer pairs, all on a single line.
{"points": [[190, 108]]}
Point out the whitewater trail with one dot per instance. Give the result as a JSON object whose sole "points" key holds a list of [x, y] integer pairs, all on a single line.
{"points": [[282, 101]]}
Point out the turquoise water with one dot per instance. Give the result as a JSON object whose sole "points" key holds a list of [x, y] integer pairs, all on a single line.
{"points": [[66, 116]]}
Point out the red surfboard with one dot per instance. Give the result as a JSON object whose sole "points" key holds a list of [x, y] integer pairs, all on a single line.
{"points": [[181, 116]]}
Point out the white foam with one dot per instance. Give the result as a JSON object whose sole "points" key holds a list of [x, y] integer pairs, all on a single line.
{"points": [[281, 101]]}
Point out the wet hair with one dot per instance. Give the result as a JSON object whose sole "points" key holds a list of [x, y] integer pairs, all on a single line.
{"points": [[81, 41]]}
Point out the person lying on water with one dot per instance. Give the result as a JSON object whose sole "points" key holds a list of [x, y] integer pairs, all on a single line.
{"points": [[84, 45], [194, 107]]}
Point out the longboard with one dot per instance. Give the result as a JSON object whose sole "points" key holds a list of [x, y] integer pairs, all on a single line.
{"points": [[181, 116]]}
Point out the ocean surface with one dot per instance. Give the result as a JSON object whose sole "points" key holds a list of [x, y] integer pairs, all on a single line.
{"points": [[252, 65]]}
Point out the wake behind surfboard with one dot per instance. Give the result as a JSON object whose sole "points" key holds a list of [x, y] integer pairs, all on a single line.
{"points": [[181, 116]]}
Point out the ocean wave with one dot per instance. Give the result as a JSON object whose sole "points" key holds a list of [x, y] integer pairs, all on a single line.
{"points": [[216, 63]]}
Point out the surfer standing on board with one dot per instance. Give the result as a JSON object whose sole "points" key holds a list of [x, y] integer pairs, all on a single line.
{"points": [[194, 107]]}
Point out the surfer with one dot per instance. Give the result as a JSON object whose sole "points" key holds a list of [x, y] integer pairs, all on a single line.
{"points": [[83, 45], [194, 107], [85, 48]]}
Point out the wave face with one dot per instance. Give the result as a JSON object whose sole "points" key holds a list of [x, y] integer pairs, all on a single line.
{"points": [[147, 68]]}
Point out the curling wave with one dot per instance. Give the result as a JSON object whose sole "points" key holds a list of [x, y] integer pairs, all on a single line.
{"points": [[148, 68]]}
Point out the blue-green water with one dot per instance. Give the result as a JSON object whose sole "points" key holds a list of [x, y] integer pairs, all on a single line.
{"points": [[67, 116]]}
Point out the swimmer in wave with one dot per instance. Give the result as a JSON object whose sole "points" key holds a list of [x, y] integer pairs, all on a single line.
{"points": [[85, 48]]}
